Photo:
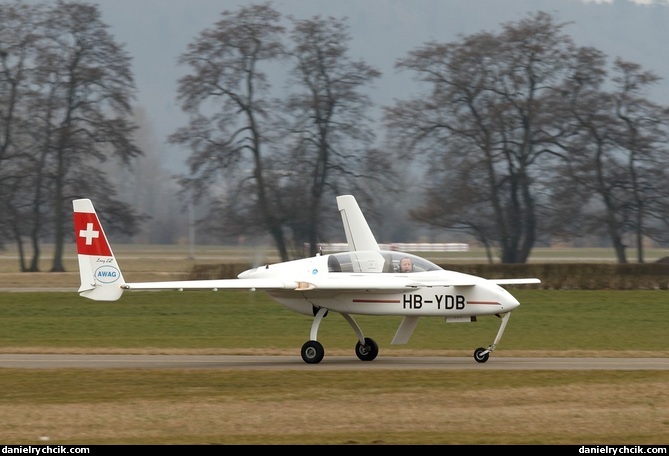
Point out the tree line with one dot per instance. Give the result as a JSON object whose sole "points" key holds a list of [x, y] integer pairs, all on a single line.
{"points": [[518, 137]]}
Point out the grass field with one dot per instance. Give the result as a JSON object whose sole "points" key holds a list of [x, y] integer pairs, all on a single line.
{"points": [[615, 323], [182, 406]]}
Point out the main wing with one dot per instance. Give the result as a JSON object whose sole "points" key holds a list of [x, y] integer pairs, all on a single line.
{"points": [[342, 282]]}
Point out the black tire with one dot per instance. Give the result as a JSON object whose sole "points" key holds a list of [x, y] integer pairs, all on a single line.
{"points": [[312, 352], [368, 351], [480, 356]]}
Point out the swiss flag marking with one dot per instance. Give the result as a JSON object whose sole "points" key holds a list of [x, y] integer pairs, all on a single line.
{"points": [[89, 233], [90, 238]]}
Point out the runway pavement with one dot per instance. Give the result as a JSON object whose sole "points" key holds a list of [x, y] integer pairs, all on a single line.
{"points": [[124, 361]]}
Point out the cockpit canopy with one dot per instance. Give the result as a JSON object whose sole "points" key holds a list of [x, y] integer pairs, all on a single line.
{"points": [[390, 262]]}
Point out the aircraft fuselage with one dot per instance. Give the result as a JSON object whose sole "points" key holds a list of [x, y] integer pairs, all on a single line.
{"points": [[469, 296]]}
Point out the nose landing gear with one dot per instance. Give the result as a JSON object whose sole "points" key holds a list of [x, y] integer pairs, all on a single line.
{"points": [[481, 354]]}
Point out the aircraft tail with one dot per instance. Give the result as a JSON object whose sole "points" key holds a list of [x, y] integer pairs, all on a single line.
{"points": [[100, 275]]}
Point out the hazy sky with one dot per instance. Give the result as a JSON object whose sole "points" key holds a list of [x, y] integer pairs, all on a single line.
{"points": [[156, 32]]}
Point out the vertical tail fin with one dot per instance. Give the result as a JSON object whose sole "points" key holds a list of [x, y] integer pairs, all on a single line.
{"points": [[358, 234], [100, 275], [362, 244]]}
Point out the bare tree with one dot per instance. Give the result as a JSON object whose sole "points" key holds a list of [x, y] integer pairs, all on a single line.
{"points": [[227, 96], [491, 116], [330, 137], [82, 108], [646, 135], [617, 161]]}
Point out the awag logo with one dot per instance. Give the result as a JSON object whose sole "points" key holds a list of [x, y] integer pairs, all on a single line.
{"points": [[107, 274]]}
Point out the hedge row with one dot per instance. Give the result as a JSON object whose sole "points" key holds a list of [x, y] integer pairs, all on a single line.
{"points": [[582, 276]]}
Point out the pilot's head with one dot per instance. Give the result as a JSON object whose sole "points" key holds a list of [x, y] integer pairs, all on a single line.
{"points": [[405, 265]]}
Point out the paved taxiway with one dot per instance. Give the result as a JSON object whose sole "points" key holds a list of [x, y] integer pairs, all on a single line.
{"points": [[56, 361]]}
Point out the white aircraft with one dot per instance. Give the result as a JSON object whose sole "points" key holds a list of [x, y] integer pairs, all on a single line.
{"points": [[363, 281]]}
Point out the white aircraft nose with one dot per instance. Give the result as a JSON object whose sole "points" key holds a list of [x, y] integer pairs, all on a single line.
{"points": [[509, 302], [504, 297]]}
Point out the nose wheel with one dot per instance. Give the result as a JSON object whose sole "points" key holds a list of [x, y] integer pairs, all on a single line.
{"points": [[481, 355]]}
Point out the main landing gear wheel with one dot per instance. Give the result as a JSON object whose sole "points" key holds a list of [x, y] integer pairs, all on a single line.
{"points": [[368, 351], [312, 352], [480, 355]]}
